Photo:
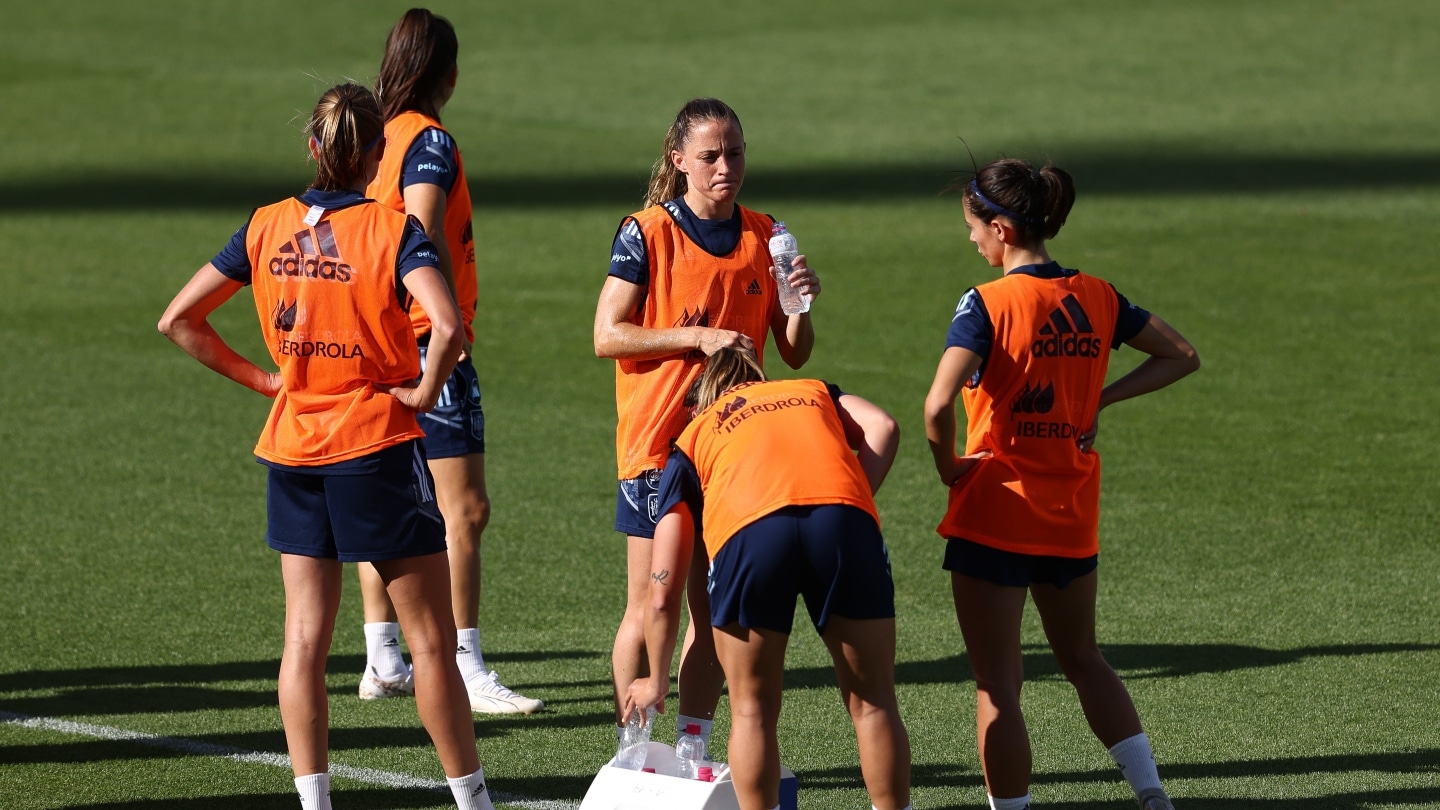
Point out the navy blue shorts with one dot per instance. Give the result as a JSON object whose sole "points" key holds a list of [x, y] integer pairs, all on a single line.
{"points": [[637, 504], [382, 507], [1014, 570], [833, 555], [456, 427]]}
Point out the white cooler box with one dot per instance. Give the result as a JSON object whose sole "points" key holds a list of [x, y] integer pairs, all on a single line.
{"points": [[622, 789]]}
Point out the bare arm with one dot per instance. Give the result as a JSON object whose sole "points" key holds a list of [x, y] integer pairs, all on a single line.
{"points": [[1171, 358], [956, 366], [186, 322], [428, 288], [873, 433], [795, 334], [426, 202], [669, 564], [617, 336]]}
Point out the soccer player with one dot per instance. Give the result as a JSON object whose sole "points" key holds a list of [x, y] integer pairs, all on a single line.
{"points": [[784, 474], [689, 274], [1029, 353], [332, 274], [422, 175]]}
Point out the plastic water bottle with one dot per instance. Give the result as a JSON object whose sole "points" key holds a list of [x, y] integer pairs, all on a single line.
{"points": [[689, 752], [783, 250], [635, 739]]}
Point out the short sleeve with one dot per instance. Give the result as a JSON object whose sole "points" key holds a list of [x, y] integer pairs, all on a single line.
{"points": [[416, 250], [628, 259], [233, 261], [430, 159], [1129, 320], [680, 483], [970, 328]]}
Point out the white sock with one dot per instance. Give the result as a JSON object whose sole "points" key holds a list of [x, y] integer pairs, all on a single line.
{"points": [[906, 807], [470, 792], [382, 651], [314, 791], [1022, 803], [467, 654], [1137, 763], [683, 720]]}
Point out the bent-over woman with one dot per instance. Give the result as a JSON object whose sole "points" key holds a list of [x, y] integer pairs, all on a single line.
{"points": [[782, 476]]}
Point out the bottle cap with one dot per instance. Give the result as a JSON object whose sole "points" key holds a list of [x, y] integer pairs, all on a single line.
{"points": [[692, 728], [647, 770], [778, 227], [705, 774]]}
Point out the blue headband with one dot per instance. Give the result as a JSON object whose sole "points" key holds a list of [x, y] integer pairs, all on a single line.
{"points": [[1005, 212]]}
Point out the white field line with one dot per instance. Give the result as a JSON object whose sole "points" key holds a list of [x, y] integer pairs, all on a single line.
{"points": [[369, 776]]}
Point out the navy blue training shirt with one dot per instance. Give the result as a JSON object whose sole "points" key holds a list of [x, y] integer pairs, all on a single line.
{"points": [[430, 159]]}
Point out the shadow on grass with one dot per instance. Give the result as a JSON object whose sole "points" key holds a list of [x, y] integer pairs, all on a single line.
{"points": [[966, 771], [1396, 763], [266, 670], [1125, 169], [1387, 762], [361, 799], [1362, 800], [514, 791], [172, 689], [1132, 661]]}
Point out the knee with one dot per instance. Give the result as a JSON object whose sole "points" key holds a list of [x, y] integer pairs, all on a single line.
{"points": [[1082, 663], [754, 711], [467, 519], [307, 650], [429, 645], [1000, 691], [868, 709]]}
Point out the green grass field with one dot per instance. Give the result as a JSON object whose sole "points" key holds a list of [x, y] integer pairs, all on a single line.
{"points": [[1264, 176]]}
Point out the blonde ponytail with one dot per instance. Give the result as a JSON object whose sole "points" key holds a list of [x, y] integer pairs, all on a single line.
{"points": [[345, 125]]}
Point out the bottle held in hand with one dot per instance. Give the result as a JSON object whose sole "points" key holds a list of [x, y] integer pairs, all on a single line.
{"points": [[635, 739], [783, 250]]}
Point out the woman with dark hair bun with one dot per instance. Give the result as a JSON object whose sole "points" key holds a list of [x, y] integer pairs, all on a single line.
{"points": [[1029, 353], [332, 274], [422, 175]]}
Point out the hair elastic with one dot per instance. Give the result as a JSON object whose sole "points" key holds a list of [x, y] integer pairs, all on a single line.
{"points": [[975, 187], [374, 143]]}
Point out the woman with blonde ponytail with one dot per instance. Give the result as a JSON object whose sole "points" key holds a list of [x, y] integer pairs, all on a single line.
{"points": [[689, 274], [333, 274], [1029, 352]]}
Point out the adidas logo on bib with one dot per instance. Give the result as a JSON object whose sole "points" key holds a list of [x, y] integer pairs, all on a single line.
{"points": [[1066, 336]]}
